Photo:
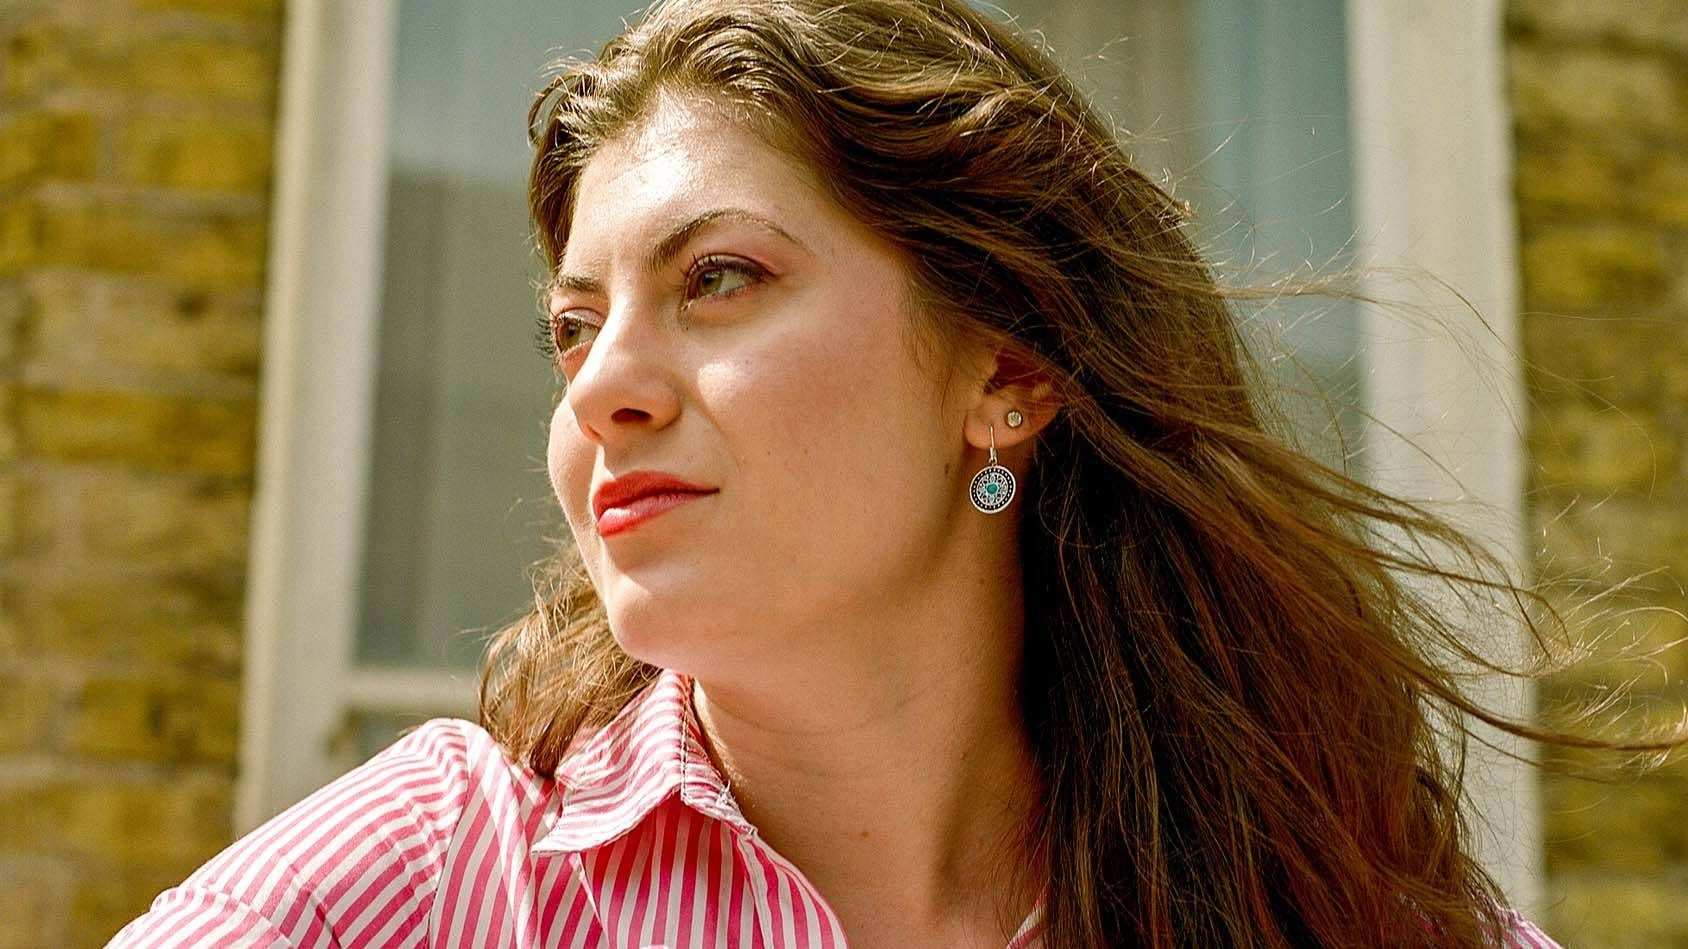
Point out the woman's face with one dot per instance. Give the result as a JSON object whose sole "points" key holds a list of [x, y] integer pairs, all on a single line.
{"points": [[734, 328]]}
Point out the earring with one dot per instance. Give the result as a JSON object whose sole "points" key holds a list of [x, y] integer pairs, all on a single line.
{"points": [[1015, 418], [993, 486]]}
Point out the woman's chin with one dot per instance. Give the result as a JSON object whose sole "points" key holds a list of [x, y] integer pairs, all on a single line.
{"points": [[668, 630]]}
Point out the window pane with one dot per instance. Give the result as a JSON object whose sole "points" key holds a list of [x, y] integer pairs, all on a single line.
{"points": [[1241, 109], [1275, 189], [1244, 105], [459, 505]]}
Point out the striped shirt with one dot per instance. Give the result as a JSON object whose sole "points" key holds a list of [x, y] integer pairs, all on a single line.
{"points": [[442, 841]]}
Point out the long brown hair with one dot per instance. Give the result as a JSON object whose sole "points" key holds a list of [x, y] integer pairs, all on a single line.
{"points": [[1238, 691]]}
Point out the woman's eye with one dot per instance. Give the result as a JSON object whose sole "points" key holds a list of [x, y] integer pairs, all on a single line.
{"points": [[718, 277], [569, 331], [560, 333]]}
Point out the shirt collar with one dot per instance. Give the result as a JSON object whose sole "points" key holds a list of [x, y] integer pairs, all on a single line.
{"points": [[650, 751]]}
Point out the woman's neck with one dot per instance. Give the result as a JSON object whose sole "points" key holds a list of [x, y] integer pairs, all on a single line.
{"points": [[902, 784]]}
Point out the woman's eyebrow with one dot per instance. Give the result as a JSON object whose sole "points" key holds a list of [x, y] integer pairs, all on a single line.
{"points": [[670, 246], [666, 250]]}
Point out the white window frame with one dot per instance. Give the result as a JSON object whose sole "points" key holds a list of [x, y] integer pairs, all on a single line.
{"points": [[1430, 125], [317, 399], [1433, 186]]}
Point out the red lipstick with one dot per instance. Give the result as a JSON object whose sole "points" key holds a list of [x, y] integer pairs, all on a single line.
{"points": [[638, 496]]}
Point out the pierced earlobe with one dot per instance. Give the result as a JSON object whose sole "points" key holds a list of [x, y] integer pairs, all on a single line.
{"points": [[993, 486]]}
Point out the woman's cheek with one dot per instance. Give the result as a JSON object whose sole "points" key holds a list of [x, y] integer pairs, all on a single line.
{"points": [[571, 478]]}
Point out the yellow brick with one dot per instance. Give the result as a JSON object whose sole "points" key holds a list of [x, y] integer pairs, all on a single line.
{"points": [[1643, 647], [201, 154], [26, 710], [1602, 141], [177, 523], [33, 520], [158, 719], [71, 147], [208, 248], [1608, 539], [20, 148], [1662, 186], [179, 823], [1555, 88], [1583, 447], [8, 422], [11, 316], [1619, 177], [20, 235], [29, 907], [11, 637], [1571, 175], [14, 519], [114, 55], [104, 899], [184, 526], [1618, 769], [1653, 23], [146, 430], [1624, 362], [37, 58], [242, 9], [181, 622], [1616, 827], [1603, 268], [199, 68], [1606, 911], [76, 323]]}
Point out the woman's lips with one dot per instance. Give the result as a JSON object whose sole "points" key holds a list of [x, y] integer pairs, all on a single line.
{"points": [[630, 514]]}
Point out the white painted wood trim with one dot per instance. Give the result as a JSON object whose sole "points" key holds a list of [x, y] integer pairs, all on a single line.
{"points": [[317, 395], [405, 691], [1433, 170]]}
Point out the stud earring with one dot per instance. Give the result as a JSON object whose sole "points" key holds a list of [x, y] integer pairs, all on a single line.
{"points": [[993, 486], [1015, 419]]}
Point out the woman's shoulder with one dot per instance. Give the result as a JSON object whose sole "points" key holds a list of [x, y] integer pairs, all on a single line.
{"points": [[431, 776], [456, 769], [369, 848], [1523, 934], [445, 751]]}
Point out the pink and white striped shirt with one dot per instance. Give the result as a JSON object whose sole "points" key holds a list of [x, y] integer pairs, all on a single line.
{"points": [[442, 841]]}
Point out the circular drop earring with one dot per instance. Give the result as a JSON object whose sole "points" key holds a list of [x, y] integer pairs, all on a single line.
{"points": [[993, 486]]}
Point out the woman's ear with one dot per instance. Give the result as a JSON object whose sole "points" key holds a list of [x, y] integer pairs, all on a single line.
{"points": [[1012, 387]]}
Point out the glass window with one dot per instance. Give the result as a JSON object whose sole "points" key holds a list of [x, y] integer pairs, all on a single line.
{"points": [[1242, 108], [459, 505]]}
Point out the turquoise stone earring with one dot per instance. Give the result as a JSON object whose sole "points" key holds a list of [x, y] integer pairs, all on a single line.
{"points": [[993, 486]]}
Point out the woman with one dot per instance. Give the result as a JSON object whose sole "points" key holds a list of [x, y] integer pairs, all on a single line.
{"points": [[937, 580]]}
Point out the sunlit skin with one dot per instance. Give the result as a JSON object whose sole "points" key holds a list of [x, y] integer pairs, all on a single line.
{"points": [[853, 624]]}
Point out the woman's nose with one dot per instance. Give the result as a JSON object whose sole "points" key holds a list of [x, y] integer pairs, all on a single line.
{"points": [[624, 386]]}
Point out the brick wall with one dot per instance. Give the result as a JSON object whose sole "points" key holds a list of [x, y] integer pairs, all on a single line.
{"points": [[1600, 100], [135, 141]]}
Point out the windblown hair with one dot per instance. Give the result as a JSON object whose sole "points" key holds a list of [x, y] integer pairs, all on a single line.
{"points": [[1239, 694]]}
